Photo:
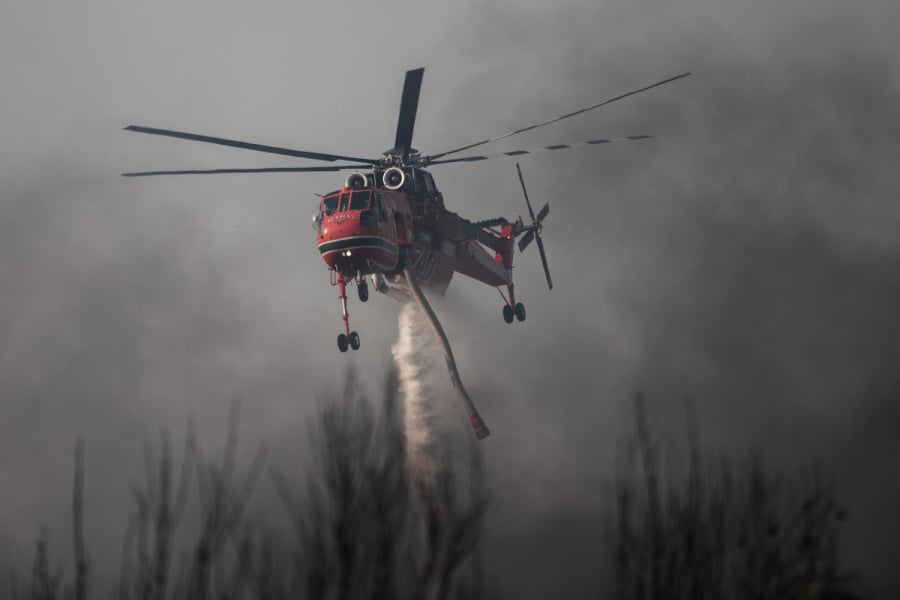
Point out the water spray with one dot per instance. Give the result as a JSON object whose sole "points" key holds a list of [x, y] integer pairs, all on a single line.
{"points": [[416, 372], [478, 425]]}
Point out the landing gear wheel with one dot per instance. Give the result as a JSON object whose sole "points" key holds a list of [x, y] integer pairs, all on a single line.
{"points": [[354, 340], [520, 311], [343, 342], [363, 290], [507, 313]]}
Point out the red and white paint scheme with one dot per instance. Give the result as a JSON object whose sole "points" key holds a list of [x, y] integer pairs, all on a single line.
{"points": [[374, 229]]}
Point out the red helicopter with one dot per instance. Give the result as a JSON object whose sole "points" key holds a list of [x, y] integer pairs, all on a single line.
{"points": [[389, 219]]}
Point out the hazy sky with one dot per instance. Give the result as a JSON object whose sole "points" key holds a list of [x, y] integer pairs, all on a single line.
{"points": [[748, 257]]}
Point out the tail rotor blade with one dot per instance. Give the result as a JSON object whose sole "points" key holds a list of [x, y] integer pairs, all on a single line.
{"points": [[540, 244], [526, 239], [533, 231], [524, 191]]}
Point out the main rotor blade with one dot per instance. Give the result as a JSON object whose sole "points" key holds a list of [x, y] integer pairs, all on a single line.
{"points": [[526, 239], [540, 244], [528, 202], [565, 116], [629, 138], [409, 104], [248, 146], [262, 170]]}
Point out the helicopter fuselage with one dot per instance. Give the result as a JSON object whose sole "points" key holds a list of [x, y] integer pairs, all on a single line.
{"points": [[371, 230]]}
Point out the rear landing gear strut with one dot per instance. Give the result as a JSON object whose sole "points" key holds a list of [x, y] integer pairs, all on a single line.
{"points": [[347, 339], [512, 309]]}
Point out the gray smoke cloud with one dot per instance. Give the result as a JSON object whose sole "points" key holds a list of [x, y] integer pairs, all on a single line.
{"points": [[747, 256]]}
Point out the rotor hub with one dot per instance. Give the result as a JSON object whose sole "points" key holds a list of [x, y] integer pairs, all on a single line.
{"points": [[396, 157]]}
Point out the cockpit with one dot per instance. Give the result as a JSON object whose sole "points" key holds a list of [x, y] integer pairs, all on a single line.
{"points": [[363, 201], [344, 201]]}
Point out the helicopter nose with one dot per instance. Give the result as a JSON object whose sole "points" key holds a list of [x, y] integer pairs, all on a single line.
{"points": [[337, 241], [340, 226], [350, 249]]}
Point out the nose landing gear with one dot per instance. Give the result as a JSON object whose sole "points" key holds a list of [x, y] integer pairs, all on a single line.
{"points": [[348, 339], [345, 341]]}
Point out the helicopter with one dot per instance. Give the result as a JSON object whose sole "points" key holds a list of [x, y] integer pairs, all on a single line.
{"points": [[388, 224]]}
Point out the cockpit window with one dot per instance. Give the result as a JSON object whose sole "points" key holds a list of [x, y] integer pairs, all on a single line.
{"points": [[371, 217], [360, 200], [329, 205], [346, 201]]}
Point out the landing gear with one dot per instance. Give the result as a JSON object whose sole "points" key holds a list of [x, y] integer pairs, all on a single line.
{"points": [[349, 340], [511, 308], [509, 313], [345, 341]]}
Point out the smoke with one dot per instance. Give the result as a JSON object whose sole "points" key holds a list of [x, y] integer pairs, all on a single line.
{"points": [[748, 255]]}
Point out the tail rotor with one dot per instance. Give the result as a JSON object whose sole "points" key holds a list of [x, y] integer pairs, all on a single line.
{"points": [[533, 231]]}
